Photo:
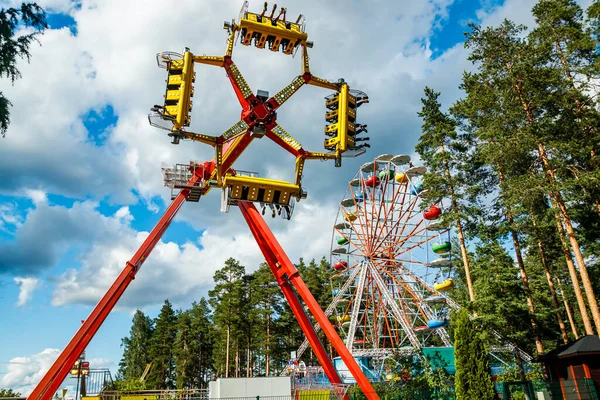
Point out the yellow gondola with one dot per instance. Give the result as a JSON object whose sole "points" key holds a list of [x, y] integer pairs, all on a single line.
{"points": [[350, 217], [445, 286]]}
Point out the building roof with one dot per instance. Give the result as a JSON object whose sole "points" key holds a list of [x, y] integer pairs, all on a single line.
{"points": [[585, 345]]}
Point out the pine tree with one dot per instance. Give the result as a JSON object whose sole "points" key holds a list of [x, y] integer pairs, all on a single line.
{"points": [[226, 299], [472, 380], [202, 343], [136, 348], [438, 147], [267, 302], [184, 352], [161, 351], [13, 47]]}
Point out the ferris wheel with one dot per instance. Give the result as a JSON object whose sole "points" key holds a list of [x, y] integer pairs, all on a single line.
{"points": [[392, 278], [391, 260]]}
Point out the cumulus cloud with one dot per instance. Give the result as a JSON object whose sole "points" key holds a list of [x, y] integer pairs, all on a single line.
{"points": [[49, 230], [183, 273], [26, 288], [24, 372]]}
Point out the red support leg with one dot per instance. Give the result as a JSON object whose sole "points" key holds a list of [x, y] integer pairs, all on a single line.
{"points": [[295, 305], [287, 270], [59, 370]]}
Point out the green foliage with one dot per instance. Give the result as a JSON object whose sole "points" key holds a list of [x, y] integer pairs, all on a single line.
{"points": [[473, 380], [136, 347], [9, 393], [129, 384], [14, 46], [161, 350]]}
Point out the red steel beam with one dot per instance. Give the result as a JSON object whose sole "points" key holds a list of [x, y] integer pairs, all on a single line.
{"points": [[52, 380], [287, 270], [293, 301]]}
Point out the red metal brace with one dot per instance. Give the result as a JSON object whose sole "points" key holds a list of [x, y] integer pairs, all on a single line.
{"points": [[287, 271], [59, 370], [294, 304]]}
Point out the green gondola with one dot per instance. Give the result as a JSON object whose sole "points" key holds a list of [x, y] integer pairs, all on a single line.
{"points": [[387, 174], [341, 240], [441, 248]]}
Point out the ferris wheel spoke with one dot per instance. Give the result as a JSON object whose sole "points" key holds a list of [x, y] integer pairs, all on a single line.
{"points": [[401, 221], [394, 307], [331, 308], [393, 201], [356, 308]]}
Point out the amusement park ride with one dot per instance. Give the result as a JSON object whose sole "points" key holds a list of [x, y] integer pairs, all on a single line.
{"points": [[258, 120], [386, 297]]}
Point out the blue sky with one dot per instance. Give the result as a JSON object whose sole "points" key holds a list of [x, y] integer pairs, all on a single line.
{"points": [[83, 171]]}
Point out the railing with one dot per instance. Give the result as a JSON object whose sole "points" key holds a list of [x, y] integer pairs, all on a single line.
{"points": [[183, 394]]}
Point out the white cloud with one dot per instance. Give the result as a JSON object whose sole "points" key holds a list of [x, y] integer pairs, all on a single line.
{"points": [[24, 372], [183, 273], [37, 196], [26, 288]]}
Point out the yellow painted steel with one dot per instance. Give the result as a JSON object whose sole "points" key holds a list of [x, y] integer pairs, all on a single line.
{"points": [[315, 81], [274, 191], [284, 94], [299, 170], [239, 79], [230, 43], [217, 61], [263, 30], [314, 155], [342, 116], [199, 137], [180, 90], [305, 64]]}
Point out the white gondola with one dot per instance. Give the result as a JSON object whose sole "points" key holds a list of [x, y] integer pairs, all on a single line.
{"points": [[435, 300], [355, 182], [416, 171], [401, 159], [384, 157], [339, 250], [440, 262], [342, 226], [347, 202], [435, 226], [368, 167]]}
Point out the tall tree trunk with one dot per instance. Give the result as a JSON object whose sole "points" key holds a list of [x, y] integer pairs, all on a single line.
{"points": [[237, 359], [227, 354], [567, 308], [268, 348], [566, 219], [574, 279], [248, 359], [561, 323], [524, 278], [461, 236]]}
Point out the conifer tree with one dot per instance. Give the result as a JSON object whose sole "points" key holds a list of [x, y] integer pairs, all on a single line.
{"points": [[184, 352], [225, 299], [438, 146], [136, 348], [202, 342], [161, 351], [472, 380], [13, 47]]}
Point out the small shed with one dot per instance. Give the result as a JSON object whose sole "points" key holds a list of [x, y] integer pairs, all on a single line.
{"points": [[574, 369]]}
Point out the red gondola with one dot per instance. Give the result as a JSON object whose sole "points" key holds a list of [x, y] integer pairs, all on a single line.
{"points": [[340, 265], [432, 213], [373, 181]]}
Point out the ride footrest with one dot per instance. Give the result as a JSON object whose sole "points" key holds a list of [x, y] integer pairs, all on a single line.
{"points": [[195, 193]]}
